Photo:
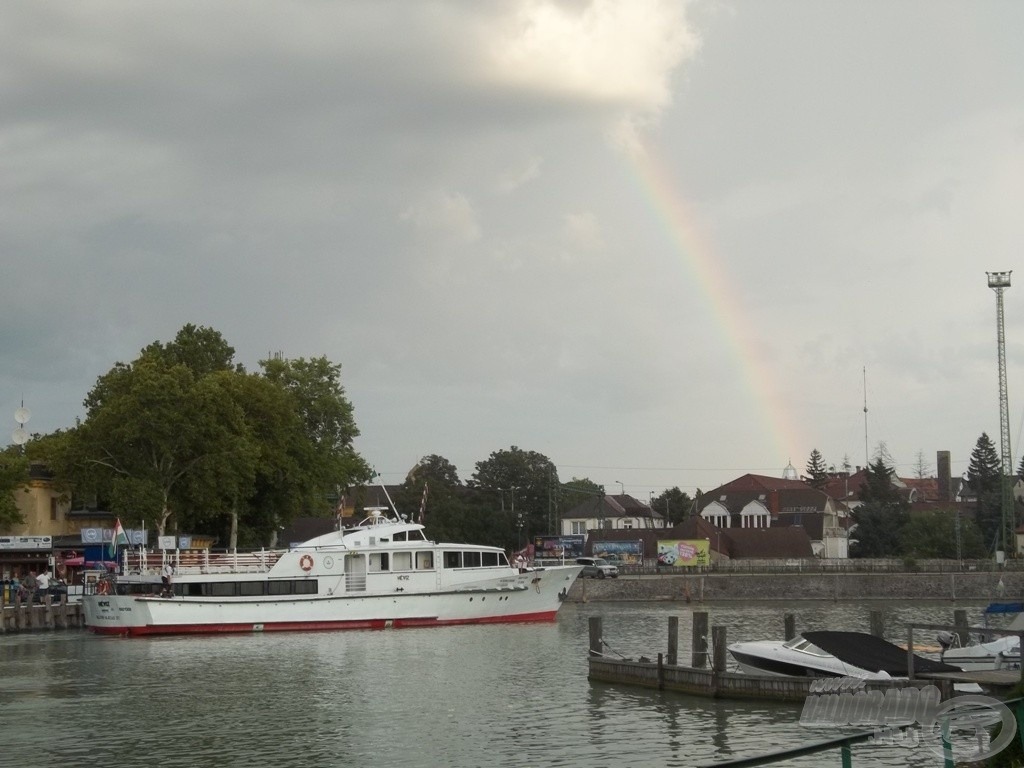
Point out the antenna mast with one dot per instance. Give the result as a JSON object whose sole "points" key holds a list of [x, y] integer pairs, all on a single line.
{"points": [[867, 461], [999, 282]]}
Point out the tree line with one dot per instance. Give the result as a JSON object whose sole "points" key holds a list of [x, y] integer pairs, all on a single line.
{"points": [[183, 438]]}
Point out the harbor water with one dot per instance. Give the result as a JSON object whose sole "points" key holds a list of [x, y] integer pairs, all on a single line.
{"points": [[473, 696]]}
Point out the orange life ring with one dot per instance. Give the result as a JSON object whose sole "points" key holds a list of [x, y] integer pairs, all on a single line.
{"points": [[103, 587], [306, 563]]}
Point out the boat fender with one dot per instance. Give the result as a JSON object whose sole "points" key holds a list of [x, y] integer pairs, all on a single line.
{"points": [[306, 563]]}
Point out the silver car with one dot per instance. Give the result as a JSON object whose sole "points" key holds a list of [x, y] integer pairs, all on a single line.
{"points": [[597, 568]]}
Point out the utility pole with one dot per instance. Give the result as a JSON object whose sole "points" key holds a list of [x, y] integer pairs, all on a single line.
{"points": [[999, 282]]}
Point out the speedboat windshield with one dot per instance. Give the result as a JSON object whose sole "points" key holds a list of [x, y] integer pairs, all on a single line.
{"points": [[798, 643]]}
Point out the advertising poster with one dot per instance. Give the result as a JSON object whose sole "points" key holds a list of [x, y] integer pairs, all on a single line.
{"points": [[684, 552], [558, 547], [620, 552]]}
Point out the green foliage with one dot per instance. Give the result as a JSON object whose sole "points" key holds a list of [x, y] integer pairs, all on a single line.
{"points": [[13, 476], [933, 534], [984, 477], [674, 504], [578, 490], [524, 484], [817, 470], [881, 520], [183, 435]]}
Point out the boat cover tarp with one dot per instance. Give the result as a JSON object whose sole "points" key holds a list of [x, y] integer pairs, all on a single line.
{"points": [[873, 653], [1005, 608]]}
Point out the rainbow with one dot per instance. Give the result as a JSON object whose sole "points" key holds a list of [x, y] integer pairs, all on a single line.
{"points": [[711, 274]]}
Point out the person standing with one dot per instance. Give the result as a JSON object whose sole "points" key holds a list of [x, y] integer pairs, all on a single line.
{"points": [[43, 586], [166, 575]]}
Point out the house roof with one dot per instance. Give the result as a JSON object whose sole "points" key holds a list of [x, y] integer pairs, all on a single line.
{"points": [[775, 542], [779, 495], [601, 507]]}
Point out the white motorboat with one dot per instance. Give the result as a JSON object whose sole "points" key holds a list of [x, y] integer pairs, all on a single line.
{"points": [[830, 654], [999, 653], [382, 573]]}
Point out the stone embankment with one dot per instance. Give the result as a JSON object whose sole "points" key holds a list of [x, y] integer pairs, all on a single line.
{"points": [[711, 587]]}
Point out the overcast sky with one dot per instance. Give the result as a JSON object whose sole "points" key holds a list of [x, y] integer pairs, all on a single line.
{"points": [[658, 242]]}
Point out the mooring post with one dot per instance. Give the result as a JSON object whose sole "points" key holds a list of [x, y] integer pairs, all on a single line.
{"points": [[595, 636], [673, 639], [960, 622], [718, 641], [789, 624], [699, 642], [910, 652], [661, 672], [876, 622]]}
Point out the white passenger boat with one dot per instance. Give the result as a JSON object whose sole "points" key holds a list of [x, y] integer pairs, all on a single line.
{"points": [[379, 574]]}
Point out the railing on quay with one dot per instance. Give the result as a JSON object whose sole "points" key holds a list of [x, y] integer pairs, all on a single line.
{"points": [[819, 566], [844, 745]]}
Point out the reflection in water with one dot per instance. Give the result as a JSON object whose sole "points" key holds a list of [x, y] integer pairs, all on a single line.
{"points": [[462, 696]]}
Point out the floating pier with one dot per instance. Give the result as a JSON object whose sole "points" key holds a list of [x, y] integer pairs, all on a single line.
{"points": [[708, 676]]}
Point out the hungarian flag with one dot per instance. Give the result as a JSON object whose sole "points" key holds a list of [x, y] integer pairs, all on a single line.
{"points": [[423, 505], [118, 539]]}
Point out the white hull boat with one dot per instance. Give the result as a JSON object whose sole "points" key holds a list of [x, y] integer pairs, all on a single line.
{"points": [[383, 573]]}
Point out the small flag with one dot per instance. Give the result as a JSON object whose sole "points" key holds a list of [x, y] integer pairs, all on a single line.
{"points": [[423, 505], [119, 537]]}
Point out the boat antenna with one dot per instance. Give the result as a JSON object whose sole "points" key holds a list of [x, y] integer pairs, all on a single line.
{"points": [[388, 497]]}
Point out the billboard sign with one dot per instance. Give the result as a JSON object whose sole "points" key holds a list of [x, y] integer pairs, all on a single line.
{"points": [[619, 552], [558, 547], [684, 552]]}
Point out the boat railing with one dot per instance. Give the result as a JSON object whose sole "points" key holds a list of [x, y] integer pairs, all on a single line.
{"points": [[202, 561]]}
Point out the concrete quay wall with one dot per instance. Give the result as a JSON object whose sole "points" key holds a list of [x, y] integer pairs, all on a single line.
{"points": [[711, 587]]}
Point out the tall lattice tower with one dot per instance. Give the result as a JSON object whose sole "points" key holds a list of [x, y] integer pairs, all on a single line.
{"points": [[999, 282]]}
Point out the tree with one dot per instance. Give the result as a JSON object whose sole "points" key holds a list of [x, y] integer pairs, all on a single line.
{"points": [[922, 468], [578, 490], [433, 485], [158, 440], [13, 477], [881, 518], [882, 454], [984, 478], [203, 350], [328, 422], [675, 504], [817, 471], [525, 484], [934, 534]]}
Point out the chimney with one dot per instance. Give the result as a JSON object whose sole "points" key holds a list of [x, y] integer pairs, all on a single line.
{"points": [[942, 462]]}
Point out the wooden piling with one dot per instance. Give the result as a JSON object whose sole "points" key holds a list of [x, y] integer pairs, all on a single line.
{"points": [[699, 642], [673, 639], [718, 643], [595, 636], [877, 624], [789, 625]]}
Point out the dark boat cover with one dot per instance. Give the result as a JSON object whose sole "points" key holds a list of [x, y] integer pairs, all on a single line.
{"points": [[873, 653]]}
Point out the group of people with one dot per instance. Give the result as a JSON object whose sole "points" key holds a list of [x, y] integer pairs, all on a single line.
{"points": [[34, 586]]}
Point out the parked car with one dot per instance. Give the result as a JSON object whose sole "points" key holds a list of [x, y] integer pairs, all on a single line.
{"points": [[597, 568]]}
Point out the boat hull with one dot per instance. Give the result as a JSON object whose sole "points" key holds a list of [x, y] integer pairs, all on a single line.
{"points": [[532, 597]]}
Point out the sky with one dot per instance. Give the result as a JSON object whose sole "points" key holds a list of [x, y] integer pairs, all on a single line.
{"points": [[662, 243]]}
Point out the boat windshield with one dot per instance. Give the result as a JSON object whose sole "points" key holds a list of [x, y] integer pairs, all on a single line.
{"points": [[798, 643]]}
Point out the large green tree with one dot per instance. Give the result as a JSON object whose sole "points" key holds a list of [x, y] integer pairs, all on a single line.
{"points": [[525, 485], [881, 519], [984, 475], [817, 470], [939, 534]]}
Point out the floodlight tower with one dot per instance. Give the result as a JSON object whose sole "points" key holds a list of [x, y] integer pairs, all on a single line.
{"points": [[999, 282]]}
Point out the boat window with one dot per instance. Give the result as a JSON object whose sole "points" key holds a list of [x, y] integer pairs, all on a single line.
{"points": [[279, 588], [452, 559], [403, 561], [489, 558], [379, 561], [470, 559], [502, 560], [306, 587], [798, 643], [223, 589], [252, 588], [400, 536], [417, 535], [425, 561]]}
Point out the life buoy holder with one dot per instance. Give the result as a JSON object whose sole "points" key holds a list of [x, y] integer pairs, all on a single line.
{"points": [[306, 563], [103, 587]]}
